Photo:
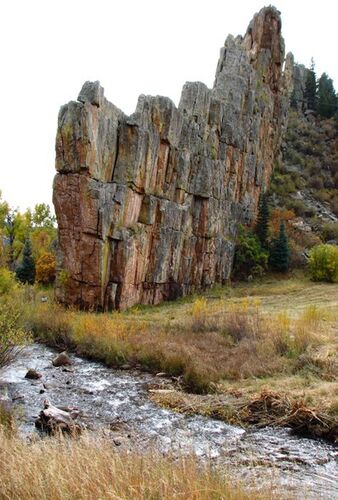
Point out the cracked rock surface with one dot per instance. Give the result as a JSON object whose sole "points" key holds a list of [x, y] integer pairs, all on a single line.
{"points": [[148, 205]]}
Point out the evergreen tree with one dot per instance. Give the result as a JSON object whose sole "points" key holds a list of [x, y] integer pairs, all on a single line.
{"points": [[279, 251], [311, 88], [26, 270], [327, 97], [262, 223]]}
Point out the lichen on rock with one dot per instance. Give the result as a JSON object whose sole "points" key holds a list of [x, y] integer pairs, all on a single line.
{"points": [[148, 205]]}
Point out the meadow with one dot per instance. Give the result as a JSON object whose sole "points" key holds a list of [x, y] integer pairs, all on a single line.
{"points": [[271, 343]]}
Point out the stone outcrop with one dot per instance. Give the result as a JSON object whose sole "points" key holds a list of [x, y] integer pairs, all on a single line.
{"points": [[148, 205], [300, 73]]}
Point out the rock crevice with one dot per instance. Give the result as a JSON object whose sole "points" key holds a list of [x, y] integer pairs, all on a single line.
{"points": [[148, 204]]}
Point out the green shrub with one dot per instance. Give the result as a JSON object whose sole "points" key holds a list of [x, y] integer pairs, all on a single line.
{"points": [[298, 206], [322, 195], [329, 231], [7, 280], [250, 257], [323, 263], [316, 182]]}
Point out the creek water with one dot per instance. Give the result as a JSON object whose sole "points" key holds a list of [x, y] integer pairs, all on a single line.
{"points": [[116, 403]]}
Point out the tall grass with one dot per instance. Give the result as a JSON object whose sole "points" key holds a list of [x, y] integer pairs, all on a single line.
{"points": [[203, 342], [7, 420], [205, 345], [60, 469]]}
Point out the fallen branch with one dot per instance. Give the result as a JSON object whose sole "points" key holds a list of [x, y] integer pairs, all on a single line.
{"points": [[54, 420]]}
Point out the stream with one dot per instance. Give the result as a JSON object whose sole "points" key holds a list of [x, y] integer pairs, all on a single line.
{"points": [[116, 403]]}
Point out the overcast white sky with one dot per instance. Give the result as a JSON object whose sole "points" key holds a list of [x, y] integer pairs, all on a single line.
{"points": [[50, 47]]}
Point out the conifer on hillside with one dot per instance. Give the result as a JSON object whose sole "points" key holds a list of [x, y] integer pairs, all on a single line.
{"points": [[279, 251], [26, 270], [327, 97], [311, 88], [262, 223]]}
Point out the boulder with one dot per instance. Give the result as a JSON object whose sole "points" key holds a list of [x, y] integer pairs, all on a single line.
{"points": [[62, 359], [33, 374]]}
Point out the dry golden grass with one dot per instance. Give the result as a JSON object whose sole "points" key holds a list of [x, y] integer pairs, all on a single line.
{"points": [[206, 340], [88, 468], [278, 329], [7, 420]]}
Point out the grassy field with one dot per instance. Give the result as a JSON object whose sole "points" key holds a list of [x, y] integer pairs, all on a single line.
{"points": [[273, 336]]}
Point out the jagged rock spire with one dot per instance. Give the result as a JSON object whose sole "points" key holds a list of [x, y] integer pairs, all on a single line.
{"points": [[148, 205]]}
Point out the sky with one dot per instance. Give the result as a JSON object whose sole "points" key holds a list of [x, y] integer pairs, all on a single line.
{"points": [[49, 48]]}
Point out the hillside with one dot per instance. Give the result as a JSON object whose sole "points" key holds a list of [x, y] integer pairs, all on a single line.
{"points": [[305, 178]]}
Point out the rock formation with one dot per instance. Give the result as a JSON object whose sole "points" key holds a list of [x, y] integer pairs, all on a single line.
{"points": [[300, 73], [148, 205]]}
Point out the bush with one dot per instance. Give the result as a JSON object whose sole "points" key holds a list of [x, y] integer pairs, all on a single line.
{"points": [[322, 195], [7, 280], [323, 263], [329, 231], [250, 257], [297, 206], [277, 216], [316, 182], [199, 315], [45, 268], [12, 337]]}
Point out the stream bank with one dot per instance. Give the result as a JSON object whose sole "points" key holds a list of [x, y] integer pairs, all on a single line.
{"points": [[116, 403]]}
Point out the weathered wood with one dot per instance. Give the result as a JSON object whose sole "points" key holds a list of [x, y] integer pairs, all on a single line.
{"points": [[53, 419]]}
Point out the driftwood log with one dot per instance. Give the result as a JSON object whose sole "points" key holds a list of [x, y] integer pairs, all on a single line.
{"points": [[54, 420]]}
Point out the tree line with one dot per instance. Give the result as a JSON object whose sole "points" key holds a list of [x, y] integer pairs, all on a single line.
{"points": [[28, 242], [320, 94], [266, 248]]}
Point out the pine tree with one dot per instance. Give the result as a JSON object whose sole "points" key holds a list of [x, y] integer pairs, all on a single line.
{"points": [[327, 97], [262, 223], [311, 88], [279, 251], [26, 270]]}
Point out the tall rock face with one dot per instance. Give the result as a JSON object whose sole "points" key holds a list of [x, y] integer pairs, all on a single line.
{"points": [[148, 205], [298, 98]]}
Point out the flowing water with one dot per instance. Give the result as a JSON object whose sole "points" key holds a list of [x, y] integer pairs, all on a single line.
{"points": [[116, 403]]}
